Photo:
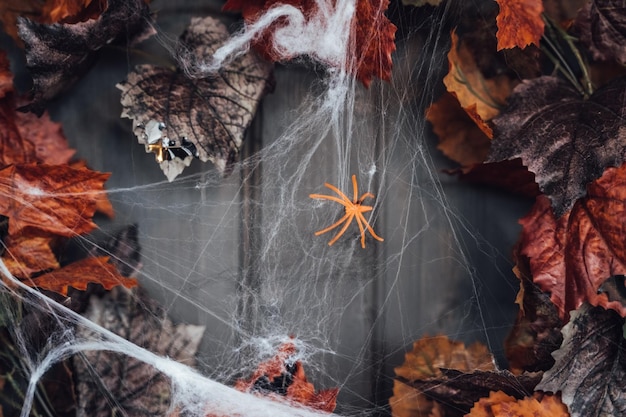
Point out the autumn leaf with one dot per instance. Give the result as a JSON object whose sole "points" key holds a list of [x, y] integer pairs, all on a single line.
{"points": [[510, 176], [179, 118], [424, 362], [81, 273], [536, 332], [520, 23], [498, 404], [55, 199], [480, 97], [25, 255], [6, 78], [372, 33], [137, 387], [571, 257], [58, 55], [602, 28], [282, 376], [590, 368], [565, 140]]}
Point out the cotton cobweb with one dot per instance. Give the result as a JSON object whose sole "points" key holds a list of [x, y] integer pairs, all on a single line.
{"points": [[238, 255]]}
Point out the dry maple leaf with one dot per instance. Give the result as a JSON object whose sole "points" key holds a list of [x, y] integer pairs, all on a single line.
{"points": [[283, 377], [520, 23], [565, 140], [55, 199], [179, 118], [498, 404], [58, 55], [424, 362], [372, 34], [480, 97], [81, 273], [602, 28], [137, 388], [590, 368], [25, 255], [571, 257]]}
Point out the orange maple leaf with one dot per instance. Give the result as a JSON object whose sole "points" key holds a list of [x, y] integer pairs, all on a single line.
{"points": [[572, 256], [520, 23], [481, 98], [55, 199], [25, 255], [372, 34], [81, 273], [499, 404]]}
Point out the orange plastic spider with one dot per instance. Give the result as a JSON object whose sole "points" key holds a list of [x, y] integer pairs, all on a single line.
{"points": [[354, 209]]}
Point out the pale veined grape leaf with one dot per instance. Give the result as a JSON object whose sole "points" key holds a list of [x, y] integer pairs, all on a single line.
{"points": [[179, 118], [590, 368], [602, 28], [58, 55], [109, 383], [565, 140]]}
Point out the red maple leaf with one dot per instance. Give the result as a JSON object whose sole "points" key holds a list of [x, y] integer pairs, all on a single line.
{"points": [[572, 256], [372, 34]]}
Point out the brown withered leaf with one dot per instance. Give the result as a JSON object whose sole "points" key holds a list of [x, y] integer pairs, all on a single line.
{"points": [[103, 204], [520, 23], [424, 362], [536, 332], [58, 55], [571, 257], [460, 139], [484, 97], [565, 140], [25, 255], [109, 383], [457, 391], [590, 368], [602, 28], [81, 273], [283, 377], [51, 146], [6, 78], [55, 199], [179, 118], [498, 404]]}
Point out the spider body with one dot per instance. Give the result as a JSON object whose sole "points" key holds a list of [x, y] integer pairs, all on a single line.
{"points": [[354, 210]]}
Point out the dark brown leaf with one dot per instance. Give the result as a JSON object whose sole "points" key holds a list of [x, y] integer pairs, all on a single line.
{"points": [[458, 391], [602, 28], [565, 140], [109, 383], [179, 118], [590, 368], [58, 55]]}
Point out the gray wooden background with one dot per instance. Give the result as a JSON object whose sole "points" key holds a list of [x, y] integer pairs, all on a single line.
{"points": [[226, 253]]}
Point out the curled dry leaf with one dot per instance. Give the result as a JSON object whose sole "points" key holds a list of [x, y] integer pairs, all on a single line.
{"points": [[424, 362], [372, 34], [79, 274], [55, 199], [571, 257], [58, 55], [520, 23], [138, 388], [590, 368], [498, 404], [480, 97], [602, 28], [565, 140], [179, 118]]}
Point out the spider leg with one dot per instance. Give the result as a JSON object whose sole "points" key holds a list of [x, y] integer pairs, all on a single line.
{"points": [[366, 195], [335, 189], [343, 229], [332, 226], [355, 188], [367, 225], [358, 221], [329, 197]]}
